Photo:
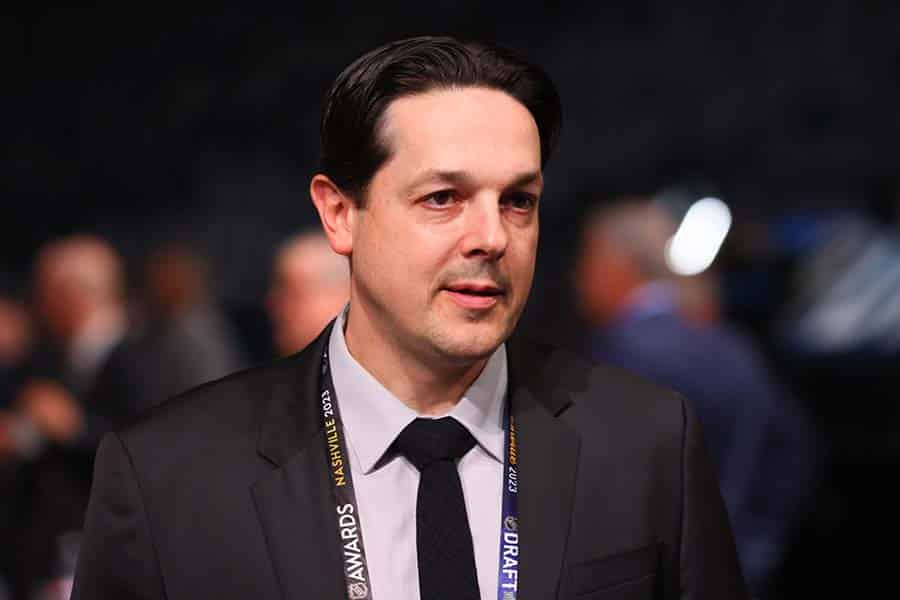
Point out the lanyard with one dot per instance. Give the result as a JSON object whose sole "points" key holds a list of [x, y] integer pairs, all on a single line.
{"points": [[355, 565]]}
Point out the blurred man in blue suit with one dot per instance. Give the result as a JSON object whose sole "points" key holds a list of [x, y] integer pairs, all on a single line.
{"points": [[665, 328]]}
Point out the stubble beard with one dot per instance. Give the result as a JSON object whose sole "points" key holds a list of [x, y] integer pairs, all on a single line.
{"points": [[439, 339], [461, 345]]}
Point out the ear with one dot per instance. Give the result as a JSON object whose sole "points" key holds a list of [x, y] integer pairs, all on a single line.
{"points": [[337, 212]]}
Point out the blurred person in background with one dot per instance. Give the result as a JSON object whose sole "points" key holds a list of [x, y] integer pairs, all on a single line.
{"points": [[187, 340], [15, 346], [699, 299], [310, 286], [669, 329], [77, 392], [77, 388]]}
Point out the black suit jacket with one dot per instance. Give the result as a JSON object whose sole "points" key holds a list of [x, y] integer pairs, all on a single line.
{"points": [[224, 492]]}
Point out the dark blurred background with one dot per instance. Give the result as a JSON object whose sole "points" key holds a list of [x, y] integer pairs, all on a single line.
{"points": [[150, 128], [139, 123]]}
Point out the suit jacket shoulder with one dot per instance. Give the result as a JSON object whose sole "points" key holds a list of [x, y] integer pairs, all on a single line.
{"points": [[193, 483], [226, 409], [646, 515], [238, 409]]}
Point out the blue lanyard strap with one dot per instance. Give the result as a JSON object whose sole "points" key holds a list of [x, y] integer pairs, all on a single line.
{"points": [[355, 565], [508, 579]]}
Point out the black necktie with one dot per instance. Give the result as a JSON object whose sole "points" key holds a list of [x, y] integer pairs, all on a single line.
{"points": [[443, 540]]}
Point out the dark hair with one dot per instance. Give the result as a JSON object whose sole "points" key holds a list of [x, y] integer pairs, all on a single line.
{"points": [[351, 146]]}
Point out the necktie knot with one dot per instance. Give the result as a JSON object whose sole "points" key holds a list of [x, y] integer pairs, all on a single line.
{"points": [[426, 441]]}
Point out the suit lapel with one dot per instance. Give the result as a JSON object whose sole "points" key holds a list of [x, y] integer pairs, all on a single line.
{"points": [[296, 512], [295, 505], [548, 455], [294, 501]]}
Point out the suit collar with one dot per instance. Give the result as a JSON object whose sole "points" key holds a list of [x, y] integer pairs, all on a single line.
{"points": [[544, 371], [373, 416], [292, 415], [295, 503], [541, 390]]}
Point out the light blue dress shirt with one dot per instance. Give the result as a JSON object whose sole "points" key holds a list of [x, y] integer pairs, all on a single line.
{"points": [[386, 485]]}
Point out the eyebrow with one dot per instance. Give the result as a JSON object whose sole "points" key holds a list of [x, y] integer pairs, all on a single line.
{"points": [[464, 179]]}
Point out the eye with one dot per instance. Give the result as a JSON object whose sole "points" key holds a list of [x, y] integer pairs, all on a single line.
{"points": [[521, 201], [440, 199]]}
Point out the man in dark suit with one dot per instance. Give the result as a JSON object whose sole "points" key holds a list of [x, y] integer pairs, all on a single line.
{"points": [[383, 460]]}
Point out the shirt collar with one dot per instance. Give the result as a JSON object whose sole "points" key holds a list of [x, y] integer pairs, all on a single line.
{"points": [[373, 417], [651, 299]]}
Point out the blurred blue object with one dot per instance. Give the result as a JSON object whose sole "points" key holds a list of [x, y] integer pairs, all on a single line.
{"points": [[798, 232], [846, 297]]}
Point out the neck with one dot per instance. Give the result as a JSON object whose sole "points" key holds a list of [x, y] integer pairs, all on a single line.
{"points": [[429, 387], [100, 324]]}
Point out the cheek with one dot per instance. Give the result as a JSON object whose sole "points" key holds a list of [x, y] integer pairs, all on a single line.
{"points": [[524, 253], [396, 261], [419, 248]]}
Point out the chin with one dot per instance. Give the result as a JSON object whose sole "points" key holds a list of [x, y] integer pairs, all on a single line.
{"points": [[464, 347], [468, 353]]}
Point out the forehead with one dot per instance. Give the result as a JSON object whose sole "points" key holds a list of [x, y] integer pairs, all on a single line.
{"points": [[460, 129]]}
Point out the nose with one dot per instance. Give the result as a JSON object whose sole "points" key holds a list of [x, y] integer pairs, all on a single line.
{"points": [[486, 230]]}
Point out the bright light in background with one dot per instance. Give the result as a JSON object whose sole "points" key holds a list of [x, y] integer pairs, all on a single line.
{"points": [[695, 245]]}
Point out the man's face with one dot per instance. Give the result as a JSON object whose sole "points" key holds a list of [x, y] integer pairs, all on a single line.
{"points": [[57, 300], [443, 253], [304, 296]]}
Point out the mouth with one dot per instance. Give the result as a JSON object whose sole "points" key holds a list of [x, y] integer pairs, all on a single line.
{"points": [[475, 295]]}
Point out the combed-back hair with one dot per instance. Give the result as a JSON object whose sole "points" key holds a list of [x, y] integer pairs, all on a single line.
{"points": [[352, 147]]}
